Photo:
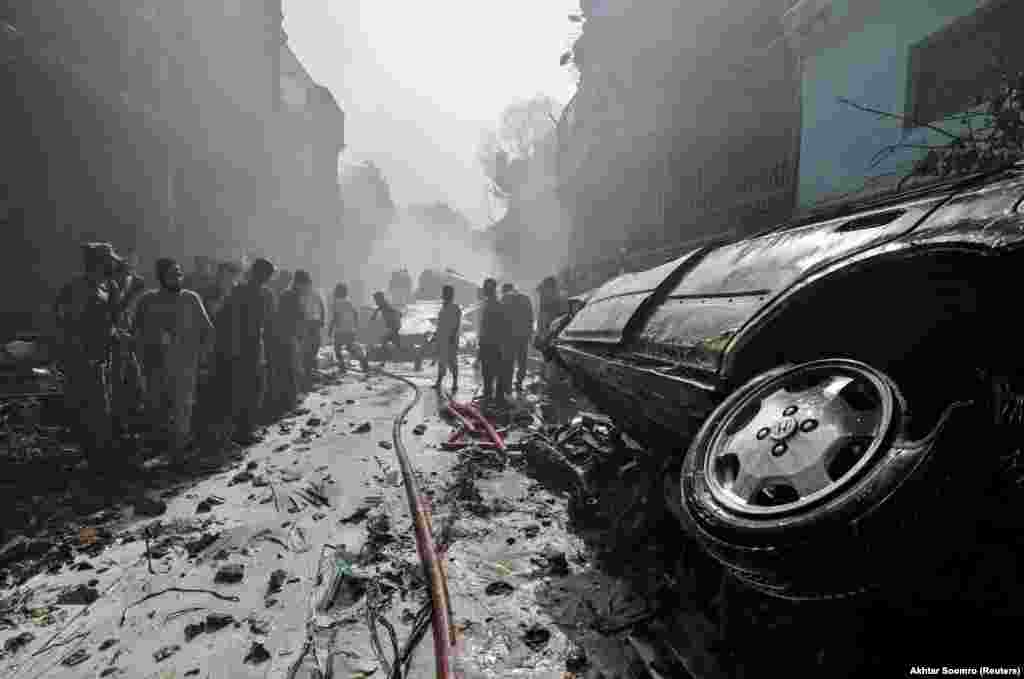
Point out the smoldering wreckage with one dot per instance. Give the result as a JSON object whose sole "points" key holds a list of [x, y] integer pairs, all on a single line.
{"points": [[794, 454]]}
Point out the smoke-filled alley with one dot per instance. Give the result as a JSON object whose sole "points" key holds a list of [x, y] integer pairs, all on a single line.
{"points": [[558, 339]]}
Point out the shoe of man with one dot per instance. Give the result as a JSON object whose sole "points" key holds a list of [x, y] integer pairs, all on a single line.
{"points": [[455, 387]]}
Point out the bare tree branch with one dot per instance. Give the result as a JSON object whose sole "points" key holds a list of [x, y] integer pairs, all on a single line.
{"points": [[897, 116]]}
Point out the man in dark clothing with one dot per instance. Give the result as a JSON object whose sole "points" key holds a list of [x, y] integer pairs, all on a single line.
{"points": [[491, 340], [240, 349], [519, 316], [216, 294], [281, 282], [288, 337], [86, 310], [125, 373], [393, 321]]}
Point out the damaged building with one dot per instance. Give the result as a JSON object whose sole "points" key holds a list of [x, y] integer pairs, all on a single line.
{"points": [[727, 119], [142, 126]]}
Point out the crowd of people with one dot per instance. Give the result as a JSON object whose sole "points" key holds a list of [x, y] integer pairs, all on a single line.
{"points": [[210, 357], [139, 359]]}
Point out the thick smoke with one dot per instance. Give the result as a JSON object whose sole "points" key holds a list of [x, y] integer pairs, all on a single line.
{"points": [[416, 242]]}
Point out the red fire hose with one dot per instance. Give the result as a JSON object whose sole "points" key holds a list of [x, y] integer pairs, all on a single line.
{"points": [[432, 566]]}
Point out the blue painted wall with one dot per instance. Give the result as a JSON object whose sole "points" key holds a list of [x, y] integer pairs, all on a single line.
{"points": [[869, 67]]}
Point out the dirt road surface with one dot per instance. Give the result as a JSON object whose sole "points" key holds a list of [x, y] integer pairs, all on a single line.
{"points": [[225, 581]]}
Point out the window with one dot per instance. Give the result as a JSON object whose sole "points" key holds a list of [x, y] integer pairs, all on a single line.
{"points": [[950, 68]]}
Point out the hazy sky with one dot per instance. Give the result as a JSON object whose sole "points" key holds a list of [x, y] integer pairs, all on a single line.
{"points": [[421, 81]]}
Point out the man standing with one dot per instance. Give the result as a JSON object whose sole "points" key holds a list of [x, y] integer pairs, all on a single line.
{"points": [[311, 326], [491, 340], [216, 295], [449, 323], [172, 330], [285, 351], [344, 325], [392, 320], [125, 380], [281, 282], [242, 325], [86, 310], [551, 304], [519, 314]]}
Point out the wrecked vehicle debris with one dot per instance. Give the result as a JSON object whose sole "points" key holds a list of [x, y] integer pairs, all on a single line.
{"points": [[797, 442]]}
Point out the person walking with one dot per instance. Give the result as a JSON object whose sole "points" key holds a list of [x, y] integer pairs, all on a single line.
{"points": [[491, 340], [449, 324], [173, 329], [393, 323], [86, 310], [240, 352], [343, 328], [519, 314]]}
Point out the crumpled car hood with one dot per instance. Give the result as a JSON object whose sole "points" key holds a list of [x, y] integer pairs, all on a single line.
{"points": [[695, 304]]}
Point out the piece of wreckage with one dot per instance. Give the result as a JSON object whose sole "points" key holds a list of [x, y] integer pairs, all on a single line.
{"points": [[833, 398]]}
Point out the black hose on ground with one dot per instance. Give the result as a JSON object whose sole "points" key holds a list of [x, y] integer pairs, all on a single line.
{"points": [[432, 567]]}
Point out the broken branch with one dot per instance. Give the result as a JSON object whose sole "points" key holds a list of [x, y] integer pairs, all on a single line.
{"points": [[897, 116]]}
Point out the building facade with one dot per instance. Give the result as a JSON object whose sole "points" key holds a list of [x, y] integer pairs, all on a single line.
{"points": [[685, 125], [926, 61], [722, 119], [161, 127]]}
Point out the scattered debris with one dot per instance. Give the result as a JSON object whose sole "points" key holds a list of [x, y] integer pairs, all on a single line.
{"points": [[107, 644], [230, 574], [314, 422], [536, 638], [213, 623], [277, 580], [82, 595], [260, 481], [76, 658], [15, 644], [257, 654], [362, 429], [259, 626], [499, 588], [199, 545], [208, 504], [283, 447], [166, 652], [356, 516], [386, 445], [193, 630], [241, 477], [420, 429], [576, 662]]}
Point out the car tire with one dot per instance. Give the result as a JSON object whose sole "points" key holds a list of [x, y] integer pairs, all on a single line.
{"points": [[898, 504]]}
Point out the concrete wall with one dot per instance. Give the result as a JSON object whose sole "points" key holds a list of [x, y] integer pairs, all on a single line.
{"points": [[865, 60]]}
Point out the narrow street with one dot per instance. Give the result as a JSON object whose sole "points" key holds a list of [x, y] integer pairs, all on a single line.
{"points": [[230, 567], [724, 286]]}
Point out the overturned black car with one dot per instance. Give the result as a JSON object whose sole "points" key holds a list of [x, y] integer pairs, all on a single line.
{"points": [[835, 397]]}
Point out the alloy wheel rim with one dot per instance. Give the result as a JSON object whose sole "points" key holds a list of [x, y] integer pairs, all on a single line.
{"points": [[798, 439]]}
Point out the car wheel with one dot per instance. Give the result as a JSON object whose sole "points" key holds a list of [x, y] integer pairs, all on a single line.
{"points": [[801, 484]]}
